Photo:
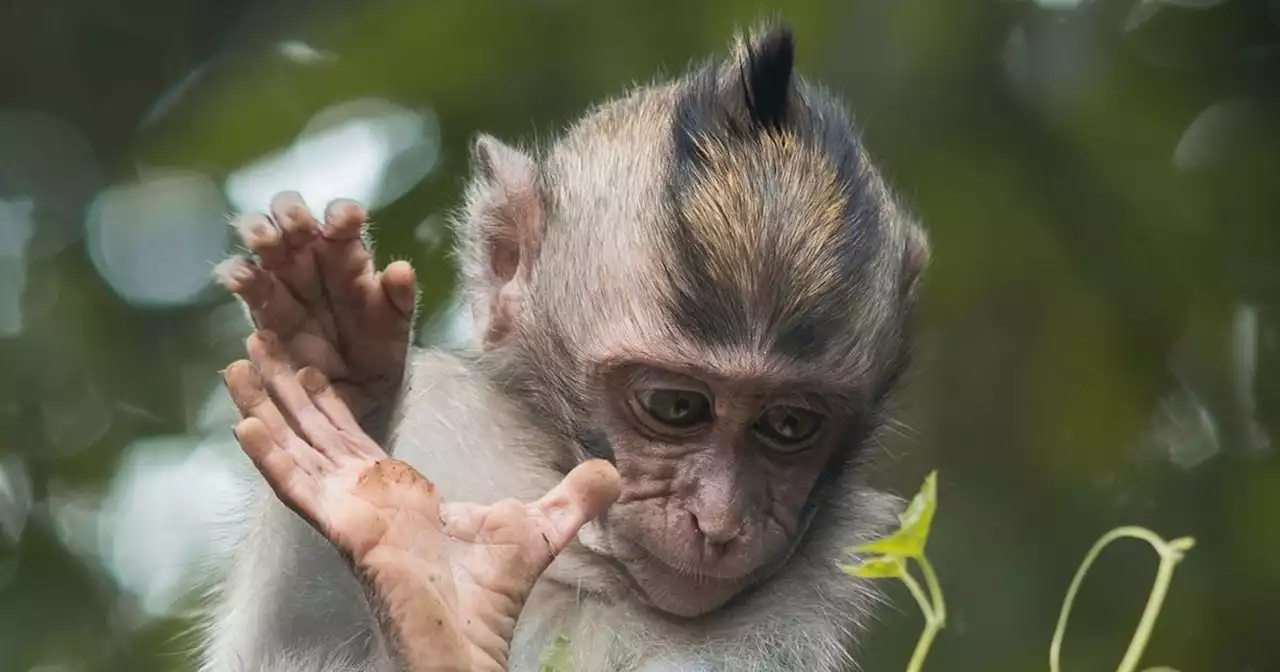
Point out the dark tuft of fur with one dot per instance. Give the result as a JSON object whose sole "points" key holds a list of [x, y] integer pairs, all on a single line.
{"points": [[767, 77], [738, 101], [761, 82]]}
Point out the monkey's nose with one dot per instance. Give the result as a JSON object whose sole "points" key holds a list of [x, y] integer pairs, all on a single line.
{"points": [[718, 531]]}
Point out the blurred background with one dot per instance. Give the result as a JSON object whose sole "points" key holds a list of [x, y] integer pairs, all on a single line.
{"points": [[1101, 181]]}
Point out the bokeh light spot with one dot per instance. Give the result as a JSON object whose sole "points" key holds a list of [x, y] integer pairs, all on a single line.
{"points": [[15, 498], [48, 162], [304, 54], [1220, 131], [156, 551], [369, 150], [1184, 430], [155, 241]]}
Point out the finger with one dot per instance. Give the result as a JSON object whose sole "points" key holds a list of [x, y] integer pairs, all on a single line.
{"points": [[294, 402], [400, 286], [250, 395], [338, 413], [344, 220], [368, 316], [309, 349], [462, 520], [344, 259], [585, 493], [291, 483], [300, 275], [262, 238], [242, 278], [294, 218], [270, 304]]}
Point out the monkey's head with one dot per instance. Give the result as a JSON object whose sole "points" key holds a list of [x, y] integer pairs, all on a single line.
{"points": [[707, 282]]}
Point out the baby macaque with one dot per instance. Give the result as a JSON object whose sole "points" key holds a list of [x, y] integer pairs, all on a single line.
{"points": [[691, 310]]}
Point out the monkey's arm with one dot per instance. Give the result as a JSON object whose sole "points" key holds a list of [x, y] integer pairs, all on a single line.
{"points": [[317, 288], [290, 603]]}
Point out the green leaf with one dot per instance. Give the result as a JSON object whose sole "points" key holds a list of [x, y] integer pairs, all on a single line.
{"points": [[897, 545], [556, 656], [913, 525], [879, 567], [918, 517]]}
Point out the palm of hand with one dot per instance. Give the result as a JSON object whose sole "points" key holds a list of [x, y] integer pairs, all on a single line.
{"points": [[477, 562]]}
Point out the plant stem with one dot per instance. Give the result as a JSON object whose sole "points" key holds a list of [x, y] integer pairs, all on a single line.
{"points": [[931, 628], [1170, 555], [917, 592], [932, 623], [935, 589], [1169, 558]]}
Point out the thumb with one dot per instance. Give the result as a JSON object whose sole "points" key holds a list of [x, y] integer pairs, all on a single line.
{"points": [[585, 493]]}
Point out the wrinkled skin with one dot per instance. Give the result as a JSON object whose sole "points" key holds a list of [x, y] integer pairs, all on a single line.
{"points": [[448, 579]]}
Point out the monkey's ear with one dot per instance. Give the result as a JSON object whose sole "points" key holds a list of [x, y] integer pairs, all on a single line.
{"points": [[501, 234], [762, 71]]}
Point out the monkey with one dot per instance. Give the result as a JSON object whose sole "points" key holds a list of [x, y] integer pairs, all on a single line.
{"points": [[704, 282]]}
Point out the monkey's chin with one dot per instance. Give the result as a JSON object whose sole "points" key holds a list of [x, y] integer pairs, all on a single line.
{"points": [[681, 594]]}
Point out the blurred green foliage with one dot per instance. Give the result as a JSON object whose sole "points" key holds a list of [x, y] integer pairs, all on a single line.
{"points": [[1099, 344]]}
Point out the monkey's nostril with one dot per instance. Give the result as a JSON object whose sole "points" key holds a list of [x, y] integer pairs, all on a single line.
{"points": [[717, 534]]}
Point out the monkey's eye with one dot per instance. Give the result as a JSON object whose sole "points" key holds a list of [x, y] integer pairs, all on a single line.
{"points": [[788, 427], [679, 409]]}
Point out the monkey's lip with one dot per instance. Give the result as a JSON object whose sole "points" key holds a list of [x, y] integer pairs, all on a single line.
{"points": [[702, 573], [695, 571]]}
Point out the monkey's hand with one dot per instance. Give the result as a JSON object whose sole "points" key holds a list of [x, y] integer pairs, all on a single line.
{"points": [[447, 579], [317, 288]]}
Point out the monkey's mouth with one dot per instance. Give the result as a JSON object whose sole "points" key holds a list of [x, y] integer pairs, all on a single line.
{"points": [[683, 592], [690, 571]]}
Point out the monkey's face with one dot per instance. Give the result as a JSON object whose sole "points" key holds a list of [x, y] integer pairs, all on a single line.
{"points": [[716, 470]]}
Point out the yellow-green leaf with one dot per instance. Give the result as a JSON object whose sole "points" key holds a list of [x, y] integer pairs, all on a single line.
{"points": [[918, 517], [879, 567], [897, 544], [909, 539]]}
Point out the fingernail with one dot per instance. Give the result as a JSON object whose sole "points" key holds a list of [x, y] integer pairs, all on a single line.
{"points": [[312, 380]]}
